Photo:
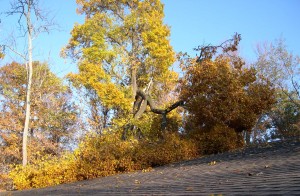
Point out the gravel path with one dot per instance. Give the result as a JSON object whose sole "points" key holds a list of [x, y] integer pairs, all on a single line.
{"points": [[263, 170]]}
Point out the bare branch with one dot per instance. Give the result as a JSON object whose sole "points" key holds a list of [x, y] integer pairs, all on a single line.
{"points": [[208, 51], [16, 52], [17, 7], [23, 7]]}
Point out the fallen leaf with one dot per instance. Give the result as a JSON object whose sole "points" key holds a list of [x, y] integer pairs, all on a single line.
{"points": [[189, 189], [147, 170], [137, 182]]}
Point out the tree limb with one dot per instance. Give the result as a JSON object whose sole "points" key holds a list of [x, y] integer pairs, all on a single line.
{"points": [[16, 52], [208, 51], [141, 96]]}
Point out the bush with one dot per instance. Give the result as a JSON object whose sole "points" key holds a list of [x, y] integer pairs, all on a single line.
{"points": [[217, 139], [5, 182], [95, 157], [170, 149], [48, 171], [99, 156], [105, 155]]}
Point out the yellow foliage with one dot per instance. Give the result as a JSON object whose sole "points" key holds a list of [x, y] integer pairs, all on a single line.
{"points": [[92, 76], [103, 155], [47, 171], [170, 149], [99, 156], [2, 55], [5, 181], [118, 43]]}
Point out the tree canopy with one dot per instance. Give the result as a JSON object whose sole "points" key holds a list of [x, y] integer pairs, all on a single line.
{"points": [[122, 48], [218, 93], [54, 117]]}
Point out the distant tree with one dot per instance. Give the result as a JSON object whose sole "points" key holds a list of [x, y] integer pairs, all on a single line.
{"points": [[281, 67], [26, 9], [285, 122], [53, 115]]}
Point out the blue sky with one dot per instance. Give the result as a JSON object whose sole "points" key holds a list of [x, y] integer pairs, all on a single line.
{"points": [[195, 22], [192, 22]]}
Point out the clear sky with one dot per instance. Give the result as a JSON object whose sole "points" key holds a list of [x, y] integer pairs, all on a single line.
{"points": [[192, 22]]}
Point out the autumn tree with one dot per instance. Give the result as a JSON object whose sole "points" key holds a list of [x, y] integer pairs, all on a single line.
{"points": [[281, 67], [124, 55], [223, 98], [285, 120], [26, 9], [53, 115]]}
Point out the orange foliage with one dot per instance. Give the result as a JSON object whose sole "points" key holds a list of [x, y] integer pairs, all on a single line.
{"points": [[223, 98], [217, 139], [53, 118]]}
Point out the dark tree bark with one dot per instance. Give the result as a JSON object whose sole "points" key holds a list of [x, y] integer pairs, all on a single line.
{"points": [[142, 100], [140, 105]]}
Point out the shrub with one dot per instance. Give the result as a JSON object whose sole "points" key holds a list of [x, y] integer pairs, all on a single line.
{"points": [[95, 157], [105, 155], [217, 139], [171, 148], [99, 156], [48, 171], [5, 182]]}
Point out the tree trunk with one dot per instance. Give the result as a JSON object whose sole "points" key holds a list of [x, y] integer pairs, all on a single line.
{"points": [[247, 137], [133, 82], [28, 91], [145, 99]]}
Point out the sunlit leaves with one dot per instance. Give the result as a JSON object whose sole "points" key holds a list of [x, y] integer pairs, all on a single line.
{"points": [[119, 44], [218, 93], [99, 156], [93, 76], [53, 118]]}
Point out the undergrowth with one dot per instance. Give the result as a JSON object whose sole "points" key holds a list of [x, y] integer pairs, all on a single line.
{"points": [[99, 156]]}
